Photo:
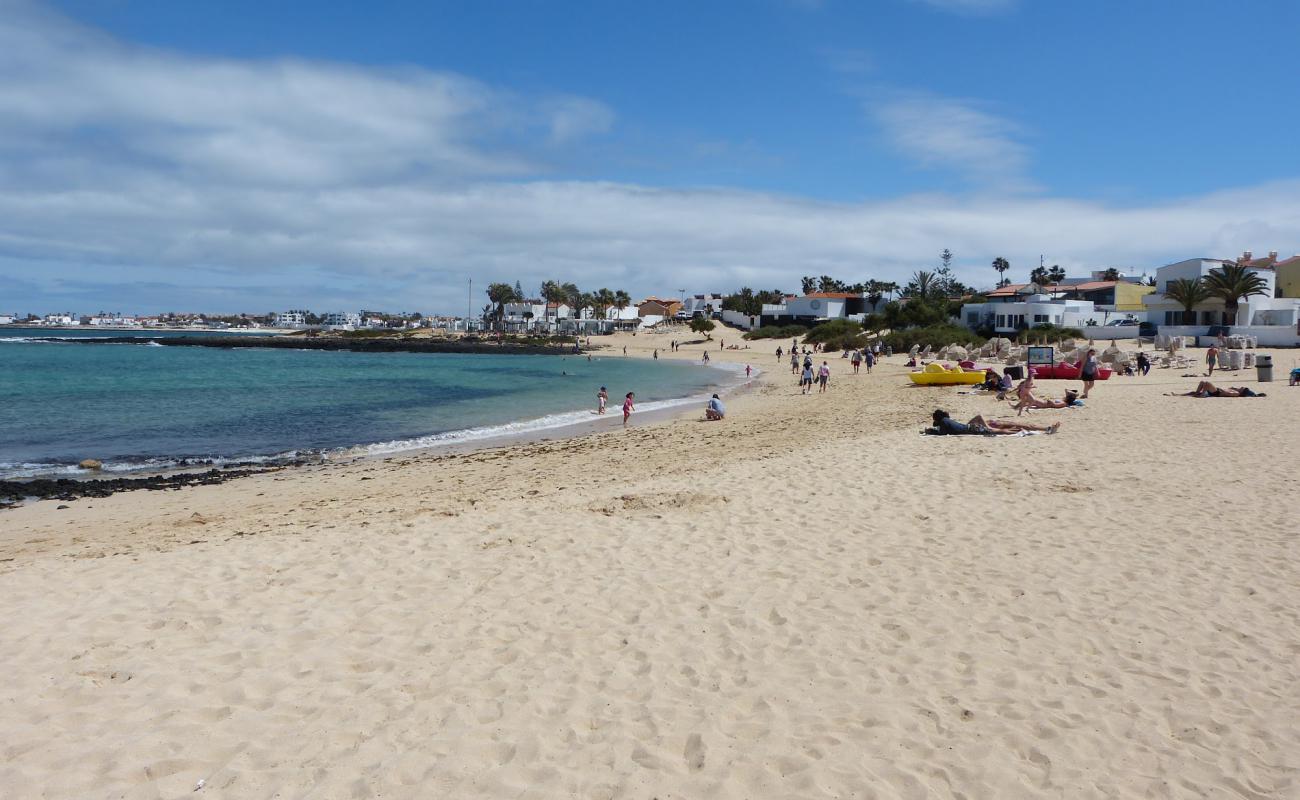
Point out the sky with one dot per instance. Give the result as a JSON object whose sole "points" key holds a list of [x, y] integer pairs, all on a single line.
{"points": [[242, 156]]}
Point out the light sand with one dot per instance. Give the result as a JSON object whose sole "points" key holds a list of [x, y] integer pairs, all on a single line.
{"points": [[807, 599]]}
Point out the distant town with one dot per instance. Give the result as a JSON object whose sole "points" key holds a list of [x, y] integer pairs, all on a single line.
{"points": [[1247, 292]]}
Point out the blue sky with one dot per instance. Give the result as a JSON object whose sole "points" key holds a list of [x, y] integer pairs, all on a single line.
{"points": [[246, 156]]}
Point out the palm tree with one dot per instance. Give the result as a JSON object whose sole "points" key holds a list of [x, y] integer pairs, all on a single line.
{"points": [[622, 299], [1001, 265], [552, 292], [604, 299], [1055, 274], [1234, 283], [922, 285], [500, 294], [1111, 274], [1189, 293]]}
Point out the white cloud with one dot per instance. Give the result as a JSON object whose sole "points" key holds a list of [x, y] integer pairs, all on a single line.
{"points": [[235, 185], [955, 134], [264, 122]]}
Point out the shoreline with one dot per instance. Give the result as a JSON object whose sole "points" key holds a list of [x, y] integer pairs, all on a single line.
{"points": [[360, 344], [67, 481]]}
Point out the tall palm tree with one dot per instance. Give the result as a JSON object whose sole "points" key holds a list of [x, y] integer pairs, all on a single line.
{"points": [[500, 294], [1001, 265], [1234, 283], [922, 285], [604, 299], [552, 292], [622, 299], [1189, 293]]}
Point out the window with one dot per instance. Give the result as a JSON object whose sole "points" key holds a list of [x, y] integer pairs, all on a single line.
{"points": [[1041, 318]]}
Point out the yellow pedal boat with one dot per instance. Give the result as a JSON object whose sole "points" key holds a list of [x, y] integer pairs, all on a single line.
{"points": [[937, 375]]}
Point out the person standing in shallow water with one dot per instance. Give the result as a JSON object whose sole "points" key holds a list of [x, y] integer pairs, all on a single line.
{"points": [[602, 398], [628, 407]]}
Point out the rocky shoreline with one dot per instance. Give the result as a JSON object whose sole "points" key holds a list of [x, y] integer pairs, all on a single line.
{"points": [[14, 492], [361, 345]]}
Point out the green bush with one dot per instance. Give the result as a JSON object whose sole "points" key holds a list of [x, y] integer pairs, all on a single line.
{"points": [[777, 332], [935, 336], [1048, 331], [848, 341], [833, 330]]}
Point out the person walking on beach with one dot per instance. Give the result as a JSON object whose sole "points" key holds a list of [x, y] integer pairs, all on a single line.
{"points": [[823, 376], [778, 352], [1088, 372], [624, 349], [871, 361], [1211, 357], [705, 358], [856, 360], [602, 398], [628, 407], [656, 354], [747, 370], [1144, 363], [806, 379], [807, 359]]}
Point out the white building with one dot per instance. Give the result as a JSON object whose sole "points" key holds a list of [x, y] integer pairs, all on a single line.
{"points": [[1163, 310], [342, 320], [8, 319], [289, 319], [1271, 320], [62, 319], [113, 321], [1028, 311], [816, 307], [700, 304], [524, 315]]}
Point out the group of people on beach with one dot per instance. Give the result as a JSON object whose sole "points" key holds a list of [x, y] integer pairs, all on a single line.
{"points": [[629, 403]]}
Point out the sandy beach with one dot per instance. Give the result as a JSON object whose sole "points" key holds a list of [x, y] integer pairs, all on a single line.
{"points": [[806, 599]]}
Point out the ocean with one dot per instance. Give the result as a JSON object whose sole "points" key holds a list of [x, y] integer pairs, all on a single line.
{"points": [[142, 407]]}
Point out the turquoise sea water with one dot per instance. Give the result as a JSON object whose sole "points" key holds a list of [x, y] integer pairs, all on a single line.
{"points": [[149, 407]]}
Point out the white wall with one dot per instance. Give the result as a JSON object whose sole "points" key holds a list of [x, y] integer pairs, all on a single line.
{"points": [[739, 319], [1199, 268], [1268, 335], [1063, 313], [821, 307]]}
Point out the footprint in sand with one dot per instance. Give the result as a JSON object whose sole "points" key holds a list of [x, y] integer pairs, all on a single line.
{"points": [[694, 752]]}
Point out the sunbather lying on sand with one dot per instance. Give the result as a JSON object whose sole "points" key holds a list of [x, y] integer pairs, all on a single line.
{"points": [[1207, 389], [1025, 398], [945, 425]]}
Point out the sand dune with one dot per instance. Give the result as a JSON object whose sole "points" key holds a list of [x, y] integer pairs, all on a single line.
{"points": [[806, 600]]}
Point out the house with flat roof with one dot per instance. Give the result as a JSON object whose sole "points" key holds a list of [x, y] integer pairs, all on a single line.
{"points": [[815, 308], [1272, 318], [1009, 310], [342, 320]]}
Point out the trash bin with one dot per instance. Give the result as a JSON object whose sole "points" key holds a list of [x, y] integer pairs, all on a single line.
{"points": [[1264, 368], [1016, 373]]}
